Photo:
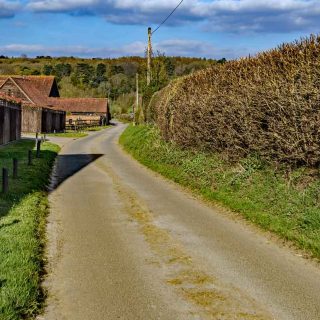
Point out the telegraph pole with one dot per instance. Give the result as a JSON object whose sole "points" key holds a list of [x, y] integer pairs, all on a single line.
{"points": [[136, 106], [149, 53], [137, 91]]}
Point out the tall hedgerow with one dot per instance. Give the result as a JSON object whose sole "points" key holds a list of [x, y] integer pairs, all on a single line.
{"points": [[267, 105]]}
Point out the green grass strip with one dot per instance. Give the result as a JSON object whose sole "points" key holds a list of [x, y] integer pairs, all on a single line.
{"points": [[98, 128], [284, 202], [22, 230], [68, 134]]}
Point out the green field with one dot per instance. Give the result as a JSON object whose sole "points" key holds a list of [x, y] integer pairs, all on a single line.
{"points": [[22, 225], [284, 202]]}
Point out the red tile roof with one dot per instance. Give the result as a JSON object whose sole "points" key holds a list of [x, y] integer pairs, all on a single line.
{"points": [[39, 88], [44, 84], [85, 105], [36, 88]]}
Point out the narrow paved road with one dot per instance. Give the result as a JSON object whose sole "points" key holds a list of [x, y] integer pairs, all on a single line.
{"points": [[125, 243]]}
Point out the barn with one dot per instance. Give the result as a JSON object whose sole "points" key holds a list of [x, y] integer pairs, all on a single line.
{"points": [[86, 109], [34, 91], [43, 110], [10, 119]]}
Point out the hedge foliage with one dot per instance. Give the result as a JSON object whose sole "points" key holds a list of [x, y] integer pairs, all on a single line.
{"points": [[268, 105]]}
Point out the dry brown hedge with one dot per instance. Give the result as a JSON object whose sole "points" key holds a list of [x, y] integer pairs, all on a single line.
{"points": [[267, 105]]}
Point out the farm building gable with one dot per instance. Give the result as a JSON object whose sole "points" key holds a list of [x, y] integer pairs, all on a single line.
{"points": [[34, 92], [31, 89]]}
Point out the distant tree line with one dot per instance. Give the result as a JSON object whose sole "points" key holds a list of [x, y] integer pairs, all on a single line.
{"points": [[112, 78]]}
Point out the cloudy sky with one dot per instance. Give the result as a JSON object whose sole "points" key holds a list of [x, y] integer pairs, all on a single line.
{"points": [[110, 28]]}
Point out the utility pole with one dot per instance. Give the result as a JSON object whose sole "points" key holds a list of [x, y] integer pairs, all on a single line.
{"points": [[149, 53], [137, 91], [136, 107]]}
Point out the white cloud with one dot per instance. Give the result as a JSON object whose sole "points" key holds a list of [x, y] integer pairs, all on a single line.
{"points": [[22, 48], [174, 47], [224, 15], [8, 8], [263, 16], [233, 16]]}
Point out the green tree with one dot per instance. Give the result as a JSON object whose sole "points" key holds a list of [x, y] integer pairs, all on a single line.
{"points": [[62, 70], [115, 69], [83, 75], [47, 70], [100, 75], [170, 67]]}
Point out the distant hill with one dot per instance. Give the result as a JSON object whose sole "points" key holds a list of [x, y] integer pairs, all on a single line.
{"points": [[102, 77]]}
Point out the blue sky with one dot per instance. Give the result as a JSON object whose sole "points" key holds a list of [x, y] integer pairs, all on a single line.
{"points": [[111, 28]]}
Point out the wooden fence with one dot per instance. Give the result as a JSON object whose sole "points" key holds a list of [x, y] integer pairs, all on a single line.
{"points": [[80, 125]]}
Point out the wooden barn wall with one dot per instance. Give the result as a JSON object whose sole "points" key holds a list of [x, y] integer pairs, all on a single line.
{"points": [[10, 122], [44, 120], [1, 123], [31, 119], [62, 119], [6, 129], [53, 120]]}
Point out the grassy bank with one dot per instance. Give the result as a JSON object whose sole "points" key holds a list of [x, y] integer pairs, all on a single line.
{"points": [[74, 134], [98, 128], [22, 222], [68, 134], [284, 202]]}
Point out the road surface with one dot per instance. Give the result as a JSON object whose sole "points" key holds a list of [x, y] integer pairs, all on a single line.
{"points": [[125, 243]]}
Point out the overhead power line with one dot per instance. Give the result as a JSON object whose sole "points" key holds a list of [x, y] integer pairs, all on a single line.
{"points": [[166, 19]]}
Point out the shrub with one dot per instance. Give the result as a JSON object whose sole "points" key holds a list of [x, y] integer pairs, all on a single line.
{"points": [[268, 105]]}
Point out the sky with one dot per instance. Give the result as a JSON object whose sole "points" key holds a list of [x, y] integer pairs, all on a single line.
{"points": [[112, 28]]}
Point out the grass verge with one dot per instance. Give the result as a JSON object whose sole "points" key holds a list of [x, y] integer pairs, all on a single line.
{"points": [[284, 202], [74, 134], [68, 134], [22, 225], [99, 128]]}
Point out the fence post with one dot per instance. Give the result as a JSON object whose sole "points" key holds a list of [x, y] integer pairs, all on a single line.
{"points": [[29, 158], [5, 180], [15, 168], [38, 148]]}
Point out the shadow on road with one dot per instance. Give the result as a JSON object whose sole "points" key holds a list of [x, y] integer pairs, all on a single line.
{"points": [[68, 165]]}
